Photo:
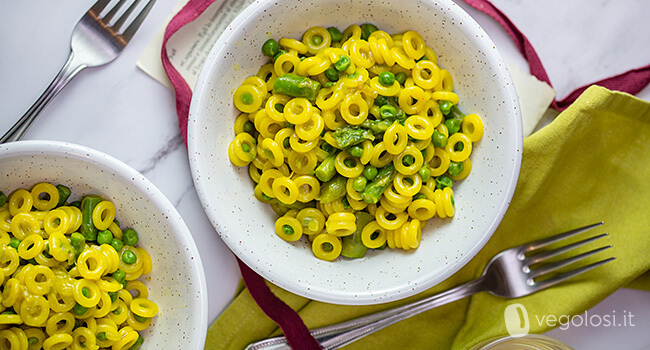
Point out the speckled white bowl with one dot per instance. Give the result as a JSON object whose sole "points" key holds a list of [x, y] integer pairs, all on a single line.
{"points": [[177, 281], [246, 225]]}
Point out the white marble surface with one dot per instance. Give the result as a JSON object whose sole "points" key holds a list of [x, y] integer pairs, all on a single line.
{"points": [[121, 111]]}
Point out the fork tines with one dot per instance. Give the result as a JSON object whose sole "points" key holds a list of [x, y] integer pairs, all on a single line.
{"points": [[101, 5], [546, 269]]}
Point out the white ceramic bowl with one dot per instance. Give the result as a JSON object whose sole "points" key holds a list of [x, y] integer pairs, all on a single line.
{"points": [[177, 281], [246, 225]]}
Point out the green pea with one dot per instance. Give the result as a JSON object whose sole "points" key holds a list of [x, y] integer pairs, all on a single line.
{"points": [[129, 257], [420, 196], [86, 292], [140, 318], [14, 242], [281, 52], [370, 172], [367, 29], [382, 100], [452, 125], [459, 146], [79, 310], [349, 163], [119, 275], [335, 34], [455, 168], [332, 74], [130, 237], [387, 111], [356, 151], [316, 40], [400, 77], [270, 48], [117, 244], [245, 148], [249, 127], [32, 340], [445, 106], [425, 173], [443, 181], [343, 63], [386, 78], [288, 230], [247, 98], [106, 237], [101, 336], [359, 184], [113, 296], [439, 139], [117, 311], [408, 160], [3, 198]]}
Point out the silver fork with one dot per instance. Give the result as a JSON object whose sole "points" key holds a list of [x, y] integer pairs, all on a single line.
{"points": [[512, 273], [94, 42]]}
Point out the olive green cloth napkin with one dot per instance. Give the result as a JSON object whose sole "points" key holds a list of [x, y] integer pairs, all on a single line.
{"points": [[591, 164]]}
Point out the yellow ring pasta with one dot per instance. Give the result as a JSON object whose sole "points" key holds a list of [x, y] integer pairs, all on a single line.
{"points": [[326, 247], [45, 196], [103, 215]]}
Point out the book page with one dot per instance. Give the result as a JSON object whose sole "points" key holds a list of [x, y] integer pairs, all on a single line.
{"points": [[188, 48]]}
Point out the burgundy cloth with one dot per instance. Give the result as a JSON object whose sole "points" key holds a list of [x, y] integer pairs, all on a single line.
{"points": [[293, 327], [631, 81]]}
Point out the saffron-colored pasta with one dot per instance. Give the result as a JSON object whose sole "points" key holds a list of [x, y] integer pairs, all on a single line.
{"points": [[331, 128], [66, 273]]}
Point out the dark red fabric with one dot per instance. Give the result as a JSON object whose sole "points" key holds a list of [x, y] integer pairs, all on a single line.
{"points": [[192, 10], [292, 325], [294, 329], [631, 81]]}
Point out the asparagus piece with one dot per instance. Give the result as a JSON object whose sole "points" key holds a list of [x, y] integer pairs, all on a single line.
{"points": [[372, 193], [326, 170], [333, 189], [296, 86], [352, 246], [346, 136]]}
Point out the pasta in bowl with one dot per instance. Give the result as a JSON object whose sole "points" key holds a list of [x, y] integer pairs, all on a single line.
{"points": [[357, 141], [256, 113], [93, 255]]}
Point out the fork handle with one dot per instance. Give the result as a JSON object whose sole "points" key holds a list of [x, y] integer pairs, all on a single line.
{"points": [[69, 71], [341, 334]]}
